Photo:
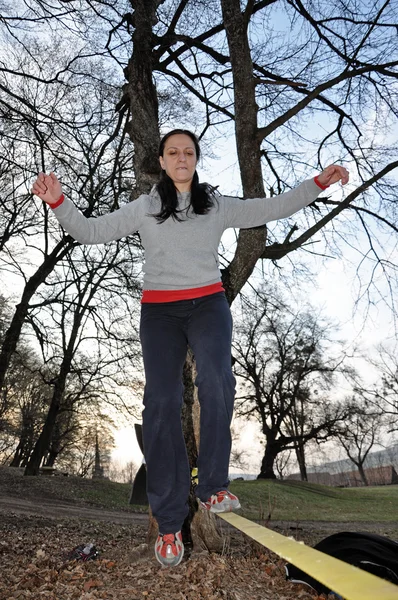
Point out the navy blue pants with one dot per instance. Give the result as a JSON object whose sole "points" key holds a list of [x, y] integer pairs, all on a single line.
{"points": [[167, 329]]}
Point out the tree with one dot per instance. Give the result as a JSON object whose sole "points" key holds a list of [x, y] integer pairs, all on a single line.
{"points": [[354, 54], [362, 432], [383, 395], [79, 458], [23, 399], [79, 380], [122, 473], [61, 127], [70, 128], [32, 397], [286, 366], [238, 458], [282, 463]]}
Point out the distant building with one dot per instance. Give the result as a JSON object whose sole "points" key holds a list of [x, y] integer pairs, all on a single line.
{"points": [[240, 476], [375, 476], [382, 458]]}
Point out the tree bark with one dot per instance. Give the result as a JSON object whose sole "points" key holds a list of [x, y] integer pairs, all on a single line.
{"points": [[58, 436], [200, 528], [17, 455], [300, 454], [363, 474], [251, 242], [43, 442], [267, 464], [142, 97]]}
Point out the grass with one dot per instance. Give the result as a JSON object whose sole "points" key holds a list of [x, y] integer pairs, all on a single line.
{"points": [[289, 500], [301, 501], [96, 492], [285, 500], [106, 493]]}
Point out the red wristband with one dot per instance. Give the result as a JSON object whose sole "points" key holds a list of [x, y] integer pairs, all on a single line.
{"points": [[319, 184], [58, 202]]}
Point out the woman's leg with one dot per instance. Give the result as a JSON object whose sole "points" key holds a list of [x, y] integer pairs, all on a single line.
{"points": [[209, 335], [164, 348]]}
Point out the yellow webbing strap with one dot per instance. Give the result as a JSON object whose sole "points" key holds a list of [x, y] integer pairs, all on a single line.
{"points": [[344, 579]]}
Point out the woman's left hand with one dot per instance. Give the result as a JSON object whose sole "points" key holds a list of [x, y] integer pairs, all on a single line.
{"points": [[333, 174]]}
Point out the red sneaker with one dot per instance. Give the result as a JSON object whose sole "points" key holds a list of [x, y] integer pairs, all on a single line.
{"points": [[222, 501], [169, 549]]}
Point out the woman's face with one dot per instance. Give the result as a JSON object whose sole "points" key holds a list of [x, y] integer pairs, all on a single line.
{"points": [[179, 160]]}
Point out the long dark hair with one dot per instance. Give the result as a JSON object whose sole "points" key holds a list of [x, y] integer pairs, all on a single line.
{"points": [[202, 194]]}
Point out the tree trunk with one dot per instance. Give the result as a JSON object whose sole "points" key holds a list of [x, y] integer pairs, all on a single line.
{"points": [[142, 97], [200, 528], [267, 464], [300, 454], [362, 474], [55, 444], [43, 442], [16, 461], [251, 242]]}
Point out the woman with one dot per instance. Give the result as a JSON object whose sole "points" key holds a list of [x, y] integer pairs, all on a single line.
{"points": [[183, 304]]}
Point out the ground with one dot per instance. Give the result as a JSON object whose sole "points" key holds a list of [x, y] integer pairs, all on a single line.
{"points": [[37, 532]]}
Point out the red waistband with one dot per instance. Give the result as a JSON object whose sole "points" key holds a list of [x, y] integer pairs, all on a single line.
{"points": [[175, 295]]}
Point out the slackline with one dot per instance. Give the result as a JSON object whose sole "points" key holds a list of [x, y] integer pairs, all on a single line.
{"points": [[344, 579]]}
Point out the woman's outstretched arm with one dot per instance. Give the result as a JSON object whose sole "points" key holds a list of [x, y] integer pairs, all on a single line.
{"points": [[254, 212], [113, 226]]}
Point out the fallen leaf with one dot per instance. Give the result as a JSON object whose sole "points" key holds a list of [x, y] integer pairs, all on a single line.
{"points": [[92, 583], [175, 576]]}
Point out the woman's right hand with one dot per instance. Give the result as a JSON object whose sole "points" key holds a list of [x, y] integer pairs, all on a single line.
{"points": [[47, 188]]}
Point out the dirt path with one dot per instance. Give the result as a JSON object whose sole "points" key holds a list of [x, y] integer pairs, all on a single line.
{"points": [[61, 510]]}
